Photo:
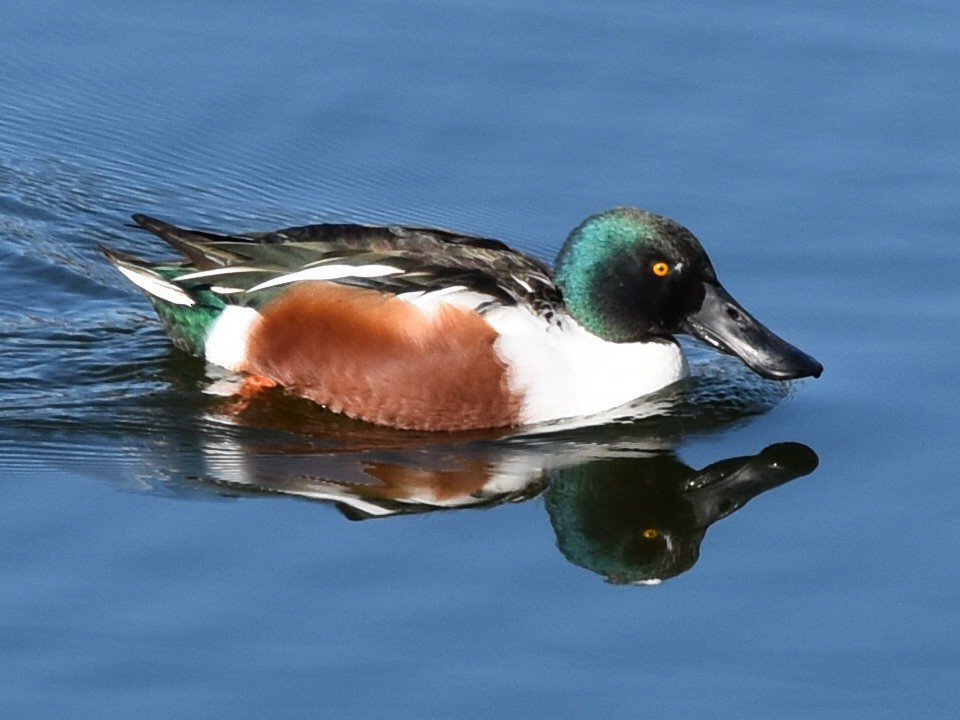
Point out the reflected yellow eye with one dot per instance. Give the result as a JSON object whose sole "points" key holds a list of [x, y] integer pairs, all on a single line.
{"points": [[651, 533], [660, 268]]}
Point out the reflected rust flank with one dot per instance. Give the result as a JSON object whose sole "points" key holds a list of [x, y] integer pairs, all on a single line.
{"points": [[403, 482], [371, 356]]}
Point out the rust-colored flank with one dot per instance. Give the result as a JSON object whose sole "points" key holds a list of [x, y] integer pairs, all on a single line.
{"points": [[403, 482], [374, 357]]}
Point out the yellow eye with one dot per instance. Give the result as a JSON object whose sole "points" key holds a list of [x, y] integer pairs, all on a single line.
{"points": [[651, 533], [660, 268]]}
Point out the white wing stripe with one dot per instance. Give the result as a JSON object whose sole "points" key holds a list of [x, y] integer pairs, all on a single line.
{"points": [[155, 285], [216, 271], [329, 272]]}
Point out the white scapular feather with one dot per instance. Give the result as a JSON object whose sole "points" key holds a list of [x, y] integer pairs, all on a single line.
{"points": [[455, 295], [201, 274], [328, 272], [153, 284]]}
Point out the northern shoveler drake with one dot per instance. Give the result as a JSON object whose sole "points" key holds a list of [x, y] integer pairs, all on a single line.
{"points": [[431, 329]]}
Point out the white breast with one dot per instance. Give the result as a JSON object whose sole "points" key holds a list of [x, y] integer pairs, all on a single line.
{"points": [[226, 343], [570, 372]]}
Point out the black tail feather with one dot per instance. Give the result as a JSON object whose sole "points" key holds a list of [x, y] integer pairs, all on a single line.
{"points": [[193, 244]]}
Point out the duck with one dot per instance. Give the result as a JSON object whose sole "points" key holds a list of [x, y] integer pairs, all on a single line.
{"points": [[430, 329]]}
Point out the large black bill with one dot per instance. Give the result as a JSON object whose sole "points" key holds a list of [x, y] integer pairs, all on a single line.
{"points": [[724, 324]]}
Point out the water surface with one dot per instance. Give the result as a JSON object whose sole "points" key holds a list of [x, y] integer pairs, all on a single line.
{"points": [[167, 555]]}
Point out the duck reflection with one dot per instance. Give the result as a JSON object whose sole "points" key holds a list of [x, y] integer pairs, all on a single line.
{"points": [[629, 510], [641, 520]]}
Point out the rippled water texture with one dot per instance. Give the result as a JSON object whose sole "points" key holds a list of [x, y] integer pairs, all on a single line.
{"points": [[730, 548]]}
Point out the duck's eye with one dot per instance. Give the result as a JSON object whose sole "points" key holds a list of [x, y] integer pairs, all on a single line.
{"points": [[660, 268], [651, 533]]}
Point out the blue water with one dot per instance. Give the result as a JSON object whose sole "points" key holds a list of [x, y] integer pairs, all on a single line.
{"points": [[164, 557]]}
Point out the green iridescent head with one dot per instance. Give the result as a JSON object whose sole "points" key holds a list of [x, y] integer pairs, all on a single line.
{"points": [[627, 274]]}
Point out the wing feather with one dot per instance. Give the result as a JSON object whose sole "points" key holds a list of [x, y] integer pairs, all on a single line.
{"points": [[251, 268]]}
